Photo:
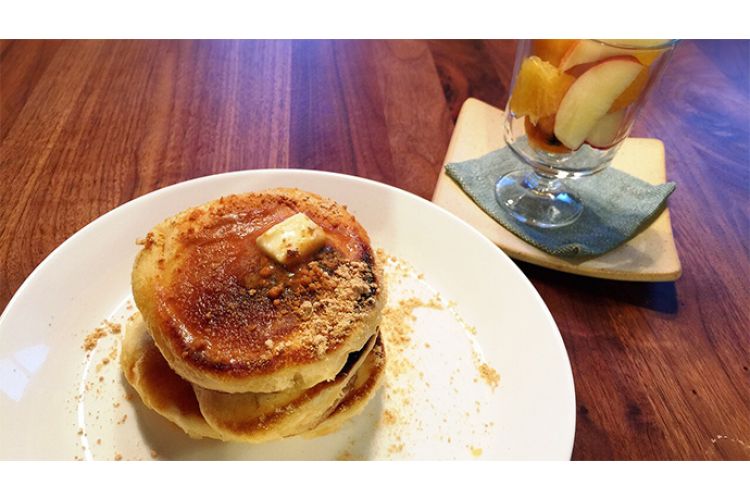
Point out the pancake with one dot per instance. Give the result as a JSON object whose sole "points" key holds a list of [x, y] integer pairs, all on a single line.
{"points": [[367, 381], [159, 387], [244, 417], [260, 417], [228, 318]]}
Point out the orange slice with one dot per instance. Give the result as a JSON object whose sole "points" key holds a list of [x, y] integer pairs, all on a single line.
{"points": [[632, 93], [647, 57], [539, 88], [551, 50]]}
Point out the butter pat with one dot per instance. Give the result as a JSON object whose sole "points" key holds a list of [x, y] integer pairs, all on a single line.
{"points": [[292, 239]]}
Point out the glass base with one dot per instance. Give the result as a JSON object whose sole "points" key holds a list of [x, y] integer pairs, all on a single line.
{"points": [[536, 200]]}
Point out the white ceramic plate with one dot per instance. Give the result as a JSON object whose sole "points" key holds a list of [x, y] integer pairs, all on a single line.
{"points": [[440, 399]]}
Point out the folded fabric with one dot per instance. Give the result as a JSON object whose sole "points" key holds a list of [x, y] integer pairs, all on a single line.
{"points": [[616, 205]]}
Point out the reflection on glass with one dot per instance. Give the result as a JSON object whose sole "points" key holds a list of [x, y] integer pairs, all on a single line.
{"points": [[572, 104]]}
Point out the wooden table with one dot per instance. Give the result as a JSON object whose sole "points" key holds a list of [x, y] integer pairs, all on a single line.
{"points": [[662, 370]]}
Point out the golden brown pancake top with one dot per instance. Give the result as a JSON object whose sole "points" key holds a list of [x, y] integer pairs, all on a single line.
{"points": [[228, 308]]}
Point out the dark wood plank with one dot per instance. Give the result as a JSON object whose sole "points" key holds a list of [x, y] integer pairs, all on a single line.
{"points": [[349, 112], [22, 64], [502, 56], [416, 114], [464, 72], [707, 140]]}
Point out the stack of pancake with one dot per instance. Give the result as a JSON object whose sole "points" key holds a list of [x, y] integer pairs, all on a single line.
{"points": [[235, 342]]}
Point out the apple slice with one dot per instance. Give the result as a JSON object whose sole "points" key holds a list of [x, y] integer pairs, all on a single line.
{"points": [[591, 96], [590, 51], [605, 132], [632, 93]]}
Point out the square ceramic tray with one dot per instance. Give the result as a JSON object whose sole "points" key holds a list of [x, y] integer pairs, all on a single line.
{"points": [[650, 256]]}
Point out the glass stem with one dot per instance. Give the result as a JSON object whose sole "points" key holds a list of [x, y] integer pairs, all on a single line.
{"points": [[541, 184]]}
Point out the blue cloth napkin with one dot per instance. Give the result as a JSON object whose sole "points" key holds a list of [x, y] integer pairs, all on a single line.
{"points": [[616, 206]]}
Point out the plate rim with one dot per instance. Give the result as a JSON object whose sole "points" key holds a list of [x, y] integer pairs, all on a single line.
{"points": [[569, 380]]}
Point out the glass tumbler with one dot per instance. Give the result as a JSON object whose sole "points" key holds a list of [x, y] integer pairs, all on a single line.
{"points": [[572, 104]]}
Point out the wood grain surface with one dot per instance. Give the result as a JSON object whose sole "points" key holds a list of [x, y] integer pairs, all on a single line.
{"points": [[662, 370]]}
